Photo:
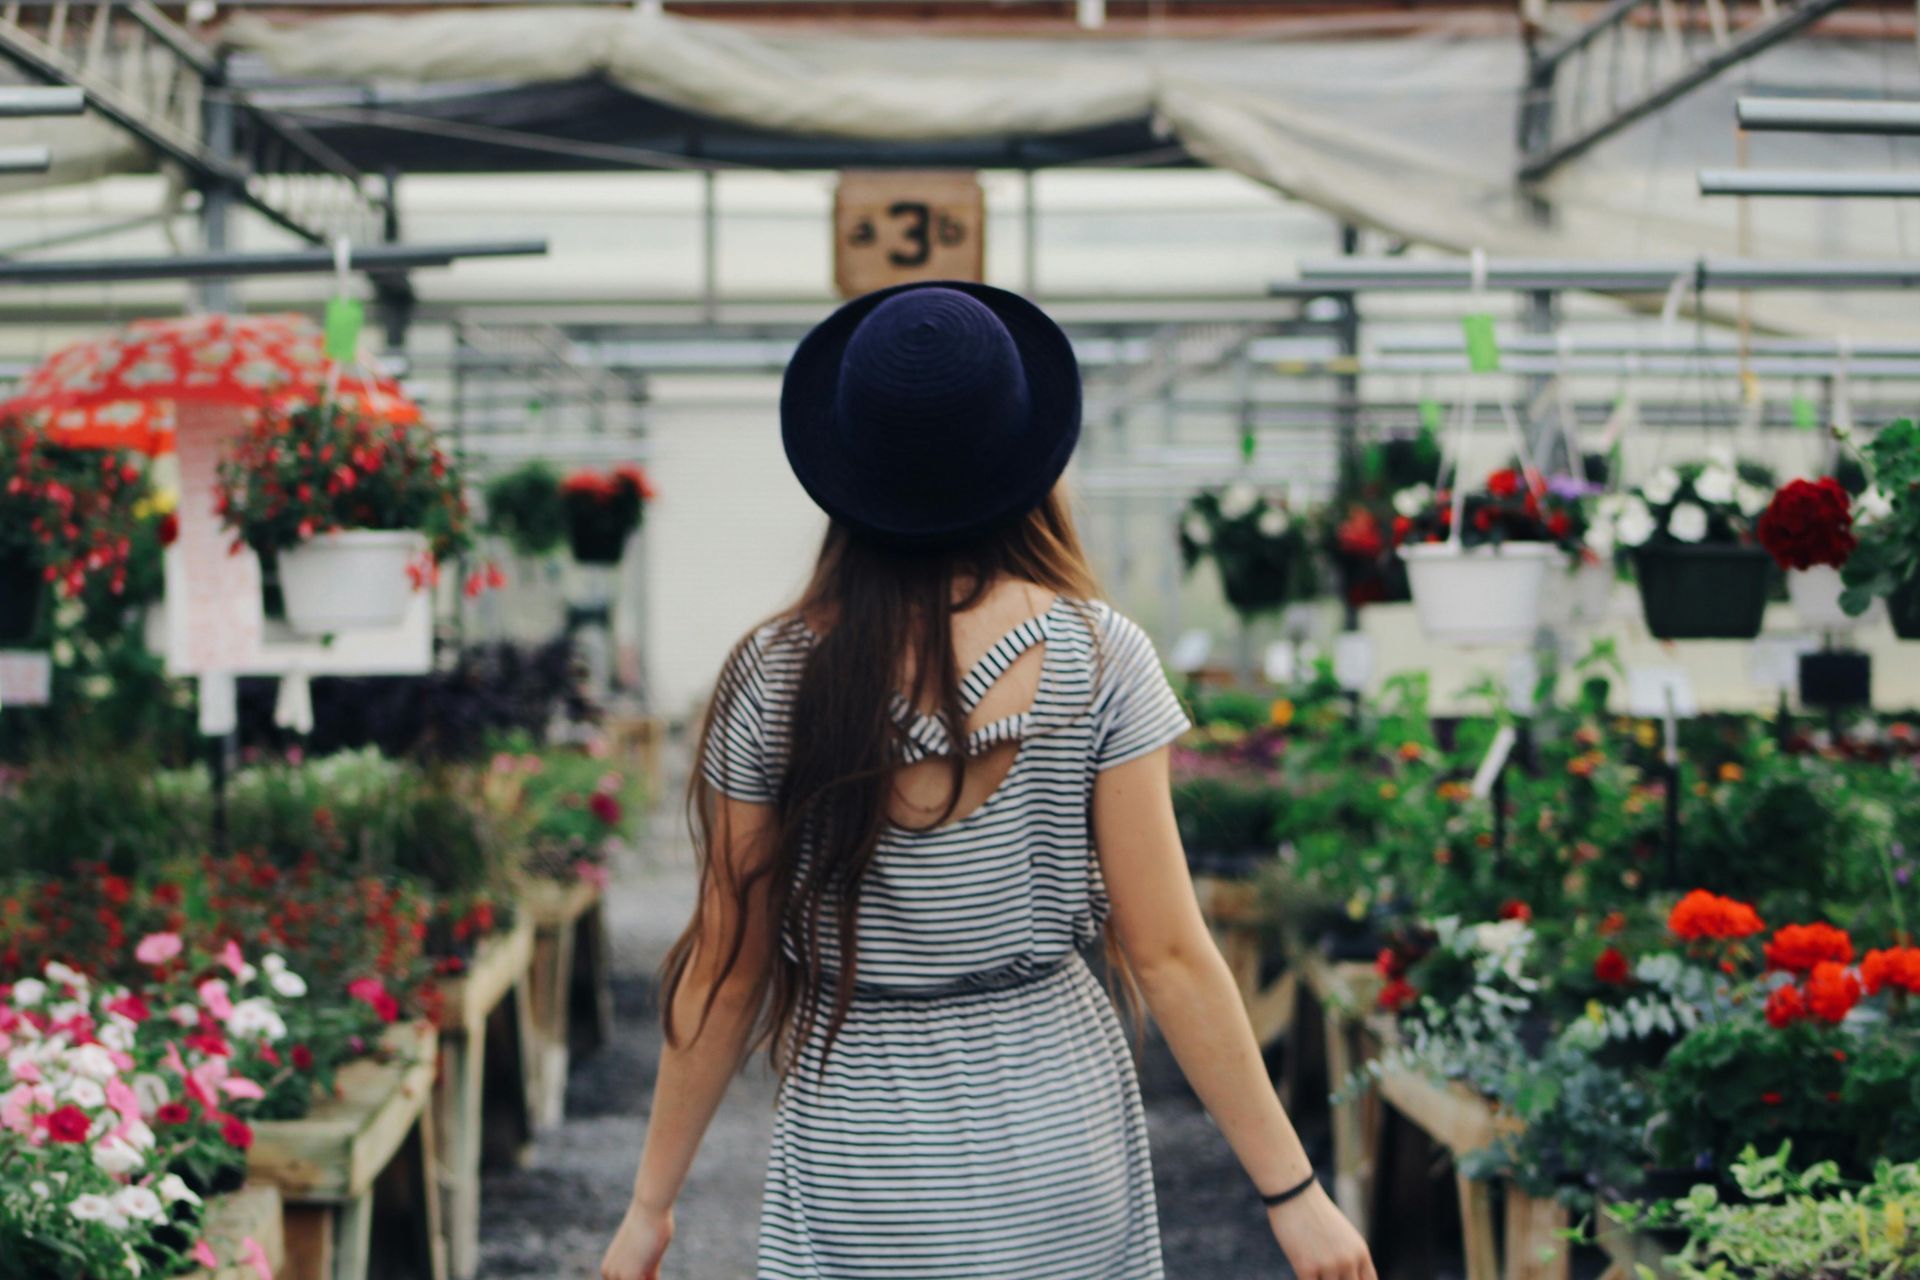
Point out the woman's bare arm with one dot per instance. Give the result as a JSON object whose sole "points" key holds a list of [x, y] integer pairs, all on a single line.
{"points": [[694, 1075], [1193, 998]]}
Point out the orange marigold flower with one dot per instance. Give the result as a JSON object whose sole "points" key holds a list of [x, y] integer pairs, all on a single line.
{"points": [[1731, 772], [1832, 991], [1708, 915], [1797, 948]]}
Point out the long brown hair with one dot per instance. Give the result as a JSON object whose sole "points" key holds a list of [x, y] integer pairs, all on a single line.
{"points": [[879, 615]]}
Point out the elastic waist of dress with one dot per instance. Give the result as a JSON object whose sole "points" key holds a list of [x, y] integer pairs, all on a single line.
{"points": [[1006, 977]]}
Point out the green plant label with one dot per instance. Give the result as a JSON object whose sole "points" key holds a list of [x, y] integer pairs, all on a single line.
{"points": [[345, 316], [1806, 414], [1483, 349], [1432, 416], [1247, 443]]}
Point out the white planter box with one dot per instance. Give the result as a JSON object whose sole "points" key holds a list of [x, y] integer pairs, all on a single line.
{"points": [[1482, 595], [355, 580]]}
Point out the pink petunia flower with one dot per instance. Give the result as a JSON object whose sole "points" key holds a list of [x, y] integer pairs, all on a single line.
{"points": [[157, 948]]}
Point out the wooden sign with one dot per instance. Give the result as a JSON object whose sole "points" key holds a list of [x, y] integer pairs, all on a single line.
{"points": [[895, 226]]}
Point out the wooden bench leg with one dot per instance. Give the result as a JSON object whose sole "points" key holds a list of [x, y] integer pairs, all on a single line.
{"points": [[1476, 1228], [353, 1238], [1352, 1158], [1537, 1248], [509, 1098], [309, 1230], [591, 1024], [458, 1122], [552, 988]]}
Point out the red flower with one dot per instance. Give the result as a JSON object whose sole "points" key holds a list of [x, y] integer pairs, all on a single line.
{"points": [[604, 807], [236, 1133], [68, 1124], [1397, 995], [1615, 923], [172, 1113], [211, 1043], [1359, 535], [131, 1007], [1514, 909], [1402, 526], [1832, 991], [1707, 915], [1612, 967], [1897, 967], [1504, 483], [1786, 1006], [1771, 1098], [302, 1058], [1797, 948], [1808, 523]]}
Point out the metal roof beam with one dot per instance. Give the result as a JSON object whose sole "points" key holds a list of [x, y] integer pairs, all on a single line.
{"points": [[1398, 275], [27, 102], [1826, 115], [373, 259], [1808, 182]]}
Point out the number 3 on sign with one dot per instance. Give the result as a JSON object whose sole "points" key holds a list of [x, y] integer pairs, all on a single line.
{"points": [[895, 227]]}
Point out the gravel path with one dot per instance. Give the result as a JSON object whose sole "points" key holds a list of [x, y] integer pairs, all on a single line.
{"points": [[553, 1218]]}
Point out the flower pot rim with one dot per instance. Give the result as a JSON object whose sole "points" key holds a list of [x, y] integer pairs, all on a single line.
{"points": [[1705, 550], [1485, 551], [362, 537]]}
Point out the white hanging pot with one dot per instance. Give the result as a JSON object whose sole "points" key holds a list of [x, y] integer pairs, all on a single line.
{"points": [[1480, 595], [353, 580], [1815, 594]]}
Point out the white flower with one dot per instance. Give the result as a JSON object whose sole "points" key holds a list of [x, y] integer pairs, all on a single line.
{"points": [[288, 983], [256, 1017], [1752, 499], [138, 1135], [151, 1090], [62, 653], [94, 1062], [1274, 522], [1635, 524], [1688, 522], [1716, 484], [117, 1034], [140, 1204], [67, 1011], [65, 976], [85, 1094], [1412, 500], [1197, 530], [116, 1156], [1599, 538], [1870, 506], [28, 992], [1661, 486], [132, 1259], [173, 1189], [91, 1208], [40, 1189], [273, 962], [1239, 499]]}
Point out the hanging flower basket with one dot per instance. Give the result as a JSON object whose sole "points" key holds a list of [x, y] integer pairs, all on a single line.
{"points": [[1490, 594], [1711, 591], [1903, 609], [603, 509], [351, 580], [1261, 549], [22, 597]]}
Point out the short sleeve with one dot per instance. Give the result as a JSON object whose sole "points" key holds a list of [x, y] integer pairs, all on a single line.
{"points": [[1137, 710], [735, 760]]}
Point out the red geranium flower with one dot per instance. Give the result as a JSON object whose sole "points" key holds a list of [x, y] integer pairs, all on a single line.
{"points": [[1832, 991], [1359, 535], [1504, 483], [1771, 1098], [1808, 523], [1797, 948], [604, 807], [68, 1124], [1786, 1006], [1612, 967], [302, 1058], [1514, 909], [1897, 967], [1708, 915], [172, 1113], [1397, 995]]}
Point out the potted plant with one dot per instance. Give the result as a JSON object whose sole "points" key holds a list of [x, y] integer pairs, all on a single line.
{"points": [[524, 506], [603, 509], [1483, 582], [1386, 478], [357, 512], [67, 520], [1886, 562], [1261, 550], [1808, 530], [1690, 533]]}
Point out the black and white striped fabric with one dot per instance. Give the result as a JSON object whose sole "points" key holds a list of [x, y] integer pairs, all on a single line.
{"points": [[979, 1116]]}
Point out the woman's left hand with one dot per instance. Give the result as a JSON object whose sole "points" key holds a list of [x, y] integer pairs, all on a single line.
{"points": [[642, 1241]]}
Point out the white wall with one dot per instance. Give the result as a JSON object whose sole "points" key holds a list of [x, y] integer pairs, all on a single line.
{"points": [[732, 535]]}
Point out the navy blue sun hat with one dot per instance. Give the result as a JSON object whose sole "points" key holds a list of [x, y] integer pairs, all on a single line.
{"points": [[928, 413]]}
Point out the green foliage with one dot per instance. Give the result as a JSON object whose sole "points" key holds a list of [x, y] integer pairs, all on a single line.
{"points": [[1234, 707], [1263, 550], [1228, 812], [524, 506], [1887, 558]]}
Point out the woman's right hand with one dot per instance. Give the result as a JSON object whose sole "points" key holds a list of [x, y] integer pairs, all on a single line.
{"points": [[642, 1241], [1318, 1240]]}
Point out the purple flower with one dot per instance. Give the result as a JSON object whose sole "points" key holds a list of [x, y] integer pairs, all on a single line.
{"points": [[1572, 487]]}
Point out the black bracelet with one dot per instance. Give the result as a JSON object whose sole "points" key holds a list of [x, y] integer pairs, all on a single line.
{"points": [[1274, 1201]]}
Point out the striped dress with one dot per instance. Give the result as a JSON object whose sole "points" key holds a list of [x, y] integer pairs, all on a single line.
{"points": [[978, 1116]]}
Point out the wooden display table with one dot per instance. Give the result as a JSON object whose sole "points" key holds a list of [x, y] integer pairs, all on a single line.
{"points": [[1232, 910], [1630, 1254], [251, 1213], [1346, 991], [572, 995], [373, 1140], [483, 1092]]}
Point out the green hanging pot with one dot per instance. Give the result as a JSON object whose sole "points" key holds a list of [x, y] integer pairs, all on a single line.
{"points": [[1704, 592], [1903, 607], [23, 597]]}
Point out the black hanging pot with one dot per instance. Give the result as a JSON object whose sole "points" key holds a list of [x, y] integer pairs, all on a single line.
{"points": [[594, 543], [1712, 591], [23, 597], [1903, 607]]}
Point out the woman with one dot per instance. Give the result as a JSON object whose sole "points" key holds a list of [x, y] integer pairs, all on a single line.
{"points": [[921, 792]]}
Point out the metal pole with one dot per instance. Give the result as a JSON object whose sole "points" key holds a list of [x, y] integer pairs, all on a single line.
{"points": [[1030, 233], [224, 266], [1839, 183], [214, 296], [710, 245], [1331, 276], [1826, 115]]}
